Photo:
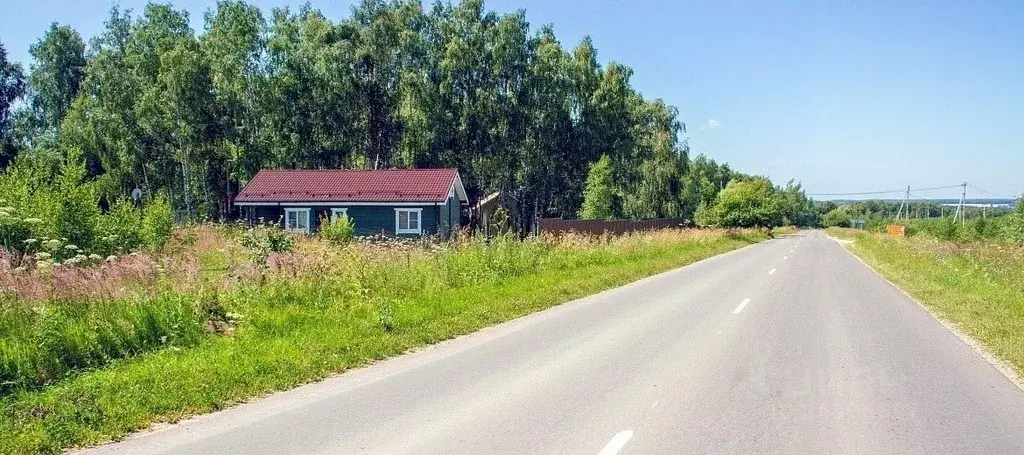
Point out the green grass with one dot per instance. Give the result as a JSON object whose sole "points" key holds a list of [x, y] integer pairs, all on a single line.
{"points": [[298, 330], [978, 287]]}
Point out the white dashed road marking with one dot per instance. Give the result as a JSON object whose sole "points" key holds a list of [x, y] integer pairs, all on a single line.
{"points": [[617, 443], [742, 305]]}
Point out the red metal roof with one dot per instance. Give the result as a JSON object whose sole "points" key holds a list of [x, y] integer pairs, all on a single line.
{"points": [[349, 185]]}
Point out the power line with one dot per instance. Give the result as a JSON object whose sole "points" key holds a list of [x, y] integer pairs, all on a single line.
{"points": [[903, 190], [865, 193], [947, 187], [988, 193]]}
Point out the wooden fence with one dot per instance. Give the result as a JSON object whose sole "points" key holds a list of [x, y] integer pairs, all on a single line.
{"points": [[617, 227]]}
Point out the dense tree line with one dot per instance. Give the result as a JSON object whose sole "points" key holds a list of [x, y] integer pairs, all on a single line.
{"points": [[151, 103]]}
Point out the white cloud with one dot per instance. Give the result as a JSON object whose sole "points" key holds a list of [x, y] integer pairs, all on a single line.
{"points": [[711, 125]]}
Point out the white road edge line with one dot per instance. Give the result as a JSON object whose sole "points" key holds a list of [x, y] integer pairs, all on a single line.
{"points": [[772, 272], [617, 443], [997, 363], [742, 305]]}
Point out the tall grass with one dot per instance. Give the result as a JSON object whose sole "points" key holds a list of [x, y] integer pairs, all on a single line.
{"points": [[320, 310], [42, 344]]}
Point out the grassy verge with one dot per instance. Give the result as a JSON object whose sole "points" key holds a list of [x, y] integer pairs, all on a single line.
{"points": [[318, 321], [978, 287]]}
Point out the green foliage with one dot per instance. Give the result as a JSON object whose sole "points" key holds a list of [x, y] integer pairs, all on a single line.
{"points": [[797, 208], [599, 192], [12, 88], [261, 240], [837, 218], [120, 230], [1014, 228], [339, 230], [753, 202], [704, 215], [77, 210], [994, 229], [56, 75], [157, 222], [46, 202], [703, 181]]}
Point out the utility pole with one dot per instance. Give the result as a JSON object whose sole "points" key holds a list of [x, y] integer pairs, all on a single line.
{"points": [[904, 206], [960, 209], [906, 201]]}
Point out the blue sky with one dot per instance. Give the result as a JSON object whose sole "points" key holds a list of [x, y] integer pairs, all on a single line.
{"points": [[841, 97]]}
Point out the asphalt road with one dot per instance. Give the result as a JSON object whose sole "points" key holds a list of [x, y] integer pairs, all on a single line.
{"points": [[791, 346]]}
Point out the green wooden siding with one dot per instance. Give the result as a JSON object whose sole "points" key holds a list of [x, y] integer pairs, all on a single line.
{"points": [[449, 217], [435, 219], [369, 220]]}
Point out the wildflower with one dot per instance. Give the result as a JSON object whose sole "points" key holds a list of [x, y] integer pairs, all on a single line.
{"points": [[52, 244], [95, 257], [70, 246], [111, 258], [30, 241], [42, 256]]}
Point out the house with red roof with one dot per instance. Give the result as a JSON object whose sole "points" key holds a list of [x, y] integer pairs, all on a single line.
{"points": [[395, 202]]}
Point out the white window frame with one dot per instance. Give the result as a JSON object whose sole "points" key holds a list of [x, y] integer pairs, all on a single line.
{"points": [[419, 221], [338, 212], [304, 211]]}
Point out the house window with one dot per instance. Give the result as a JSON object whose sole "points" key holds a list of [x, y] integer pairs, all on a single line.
{"points": [[407, 221], [296, 220], [338, 213]]}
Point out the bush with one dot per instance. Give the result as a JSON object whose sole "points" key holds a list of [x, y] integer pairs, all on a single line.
{"points": [[1013, 230], [338, 230], [262, 240], [14, 230], [77, 211], [837, 218], [703, 216], [747, 203], [157, 222], [120, 230]]}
